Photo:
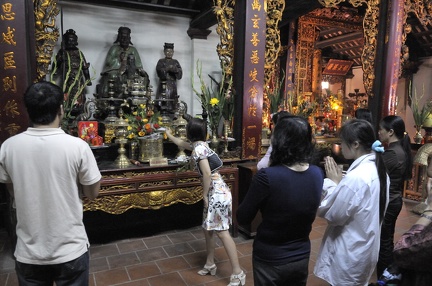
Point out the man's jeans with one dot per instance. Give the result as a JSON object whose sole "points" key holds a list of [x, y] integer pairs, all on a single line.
{"points": [[72, 273]]}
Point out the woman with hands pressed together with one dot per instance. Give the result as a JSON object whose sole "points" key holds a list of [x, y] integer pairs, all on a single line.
{"points": [[217, 215], [354, 207]]}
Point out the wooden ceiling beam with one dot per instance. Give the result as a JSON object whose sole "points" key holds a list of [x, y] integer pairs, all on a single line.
{"points": [[138, 5], [204, 20], [341, 50], [324, 32], [339, 39]]}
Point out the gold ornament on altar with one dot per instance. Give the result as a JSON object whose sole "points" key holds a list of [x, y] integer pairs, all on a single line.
{"points": [[122, 160], [179, 126], [151, 146]]}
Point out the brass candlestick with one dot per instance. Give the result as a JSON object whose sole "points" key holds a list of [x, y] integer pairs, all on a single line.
{"points": [[121, 125], [179, 126]]}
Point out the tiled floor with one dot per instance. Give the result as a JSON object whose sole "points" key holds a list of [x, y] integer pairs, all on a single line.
{"points": [[173, 258]]}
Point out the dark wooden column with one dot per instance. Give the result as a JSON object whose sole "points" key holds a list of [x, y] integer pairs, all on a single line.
{"points": [[375, 102], [387, 59], [18, 64], [249, 59], [392, 57]]}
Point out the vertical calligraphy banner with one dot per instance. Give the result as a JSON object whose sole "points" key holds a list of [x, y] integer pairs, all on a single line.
{"points": [[291, 58], [253, 78], [16, 64]]}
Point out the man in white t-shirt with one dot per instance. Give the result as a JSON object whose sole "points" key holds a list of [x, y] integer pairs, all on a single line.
{"points": [[47, 172]]}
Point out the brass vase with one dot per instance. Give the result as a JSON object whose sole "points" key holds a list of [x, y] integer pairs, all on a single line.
{"points": [[134, 149], [214, 143], [227, 128], [418, 137]]}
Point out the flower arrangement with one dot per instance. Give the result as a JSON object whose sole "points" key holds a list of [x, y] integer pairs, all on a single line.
{"points": [[274, 95], [420, 114], [142, 121], [305, 107], [216, 99]]}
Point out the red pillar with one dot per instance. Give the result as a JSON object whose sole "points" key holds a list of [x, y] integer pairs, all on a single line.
{"points": [[392, 57], [253, 78]]}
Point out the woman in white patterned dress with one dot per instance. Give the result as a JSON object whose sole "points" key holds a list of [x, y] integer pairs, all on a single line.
{"points": [[217, 215]]}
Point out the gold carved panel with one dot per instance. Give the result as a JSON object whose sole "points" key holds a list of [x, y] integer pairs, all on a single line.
{"points": [[307, 35], [46, 34], [118, 204]]}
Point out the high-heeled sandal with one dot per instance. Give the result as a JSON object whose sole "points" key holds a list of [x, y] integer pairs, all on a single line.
{"points": [[237, 279], [208, 270]]}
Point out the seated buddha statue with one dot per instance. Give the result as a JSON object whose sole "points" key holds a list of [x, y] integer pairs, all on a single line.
{"points": [[121, 59]]}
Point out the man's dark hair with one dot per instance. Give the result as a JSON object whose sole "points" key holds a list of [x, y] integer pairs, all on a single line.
{"points": [[42, 101]]}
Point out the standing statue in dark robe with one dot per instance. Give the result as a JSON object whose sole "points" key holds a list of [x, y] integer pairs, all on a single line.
{"points": [[73, 70], [168, 71]]}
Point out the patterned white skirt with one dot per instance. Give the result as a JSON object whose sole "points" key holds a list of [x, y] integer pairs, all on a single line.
{"points": [[218, 215]]}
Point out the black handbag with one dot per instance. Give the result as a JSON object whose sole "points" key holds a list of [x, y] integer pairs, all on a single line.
{"points": [[214, 161]]}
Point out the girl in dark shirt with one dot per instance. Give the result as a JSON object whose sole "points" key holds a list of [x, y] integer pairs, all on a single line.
{"points": [[288, 194]]}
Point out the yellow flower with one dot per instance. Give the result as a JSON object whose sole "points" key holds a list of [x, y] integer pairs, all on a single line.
{"points": [[142, 106], [131, 136], [129, 127], [145, 120], [135, 113], [214, 101], [141, 133]]}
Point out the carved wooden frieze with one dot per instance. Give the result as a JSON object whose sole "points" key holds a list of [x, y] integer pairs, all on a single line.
{"points": [[118, 204]]}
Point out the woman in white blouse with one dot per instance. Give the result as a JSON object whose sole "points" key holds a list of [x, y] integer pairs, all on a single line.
{"points": [[354, 207]]}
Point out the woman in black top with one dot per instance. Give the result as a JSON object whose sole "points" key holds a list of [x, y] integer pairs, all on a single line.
{"points": [[398, 161], [288, 194]]}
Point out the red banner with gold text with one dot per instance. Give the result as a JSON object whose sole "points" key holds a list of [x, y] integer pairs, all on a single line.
{"points": [[255, 38], [16, 46]]}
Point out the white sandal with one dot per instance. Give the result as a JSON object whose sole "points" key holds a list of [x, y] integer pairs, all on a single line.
{"points": [[237, 279], [208, 270]]}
